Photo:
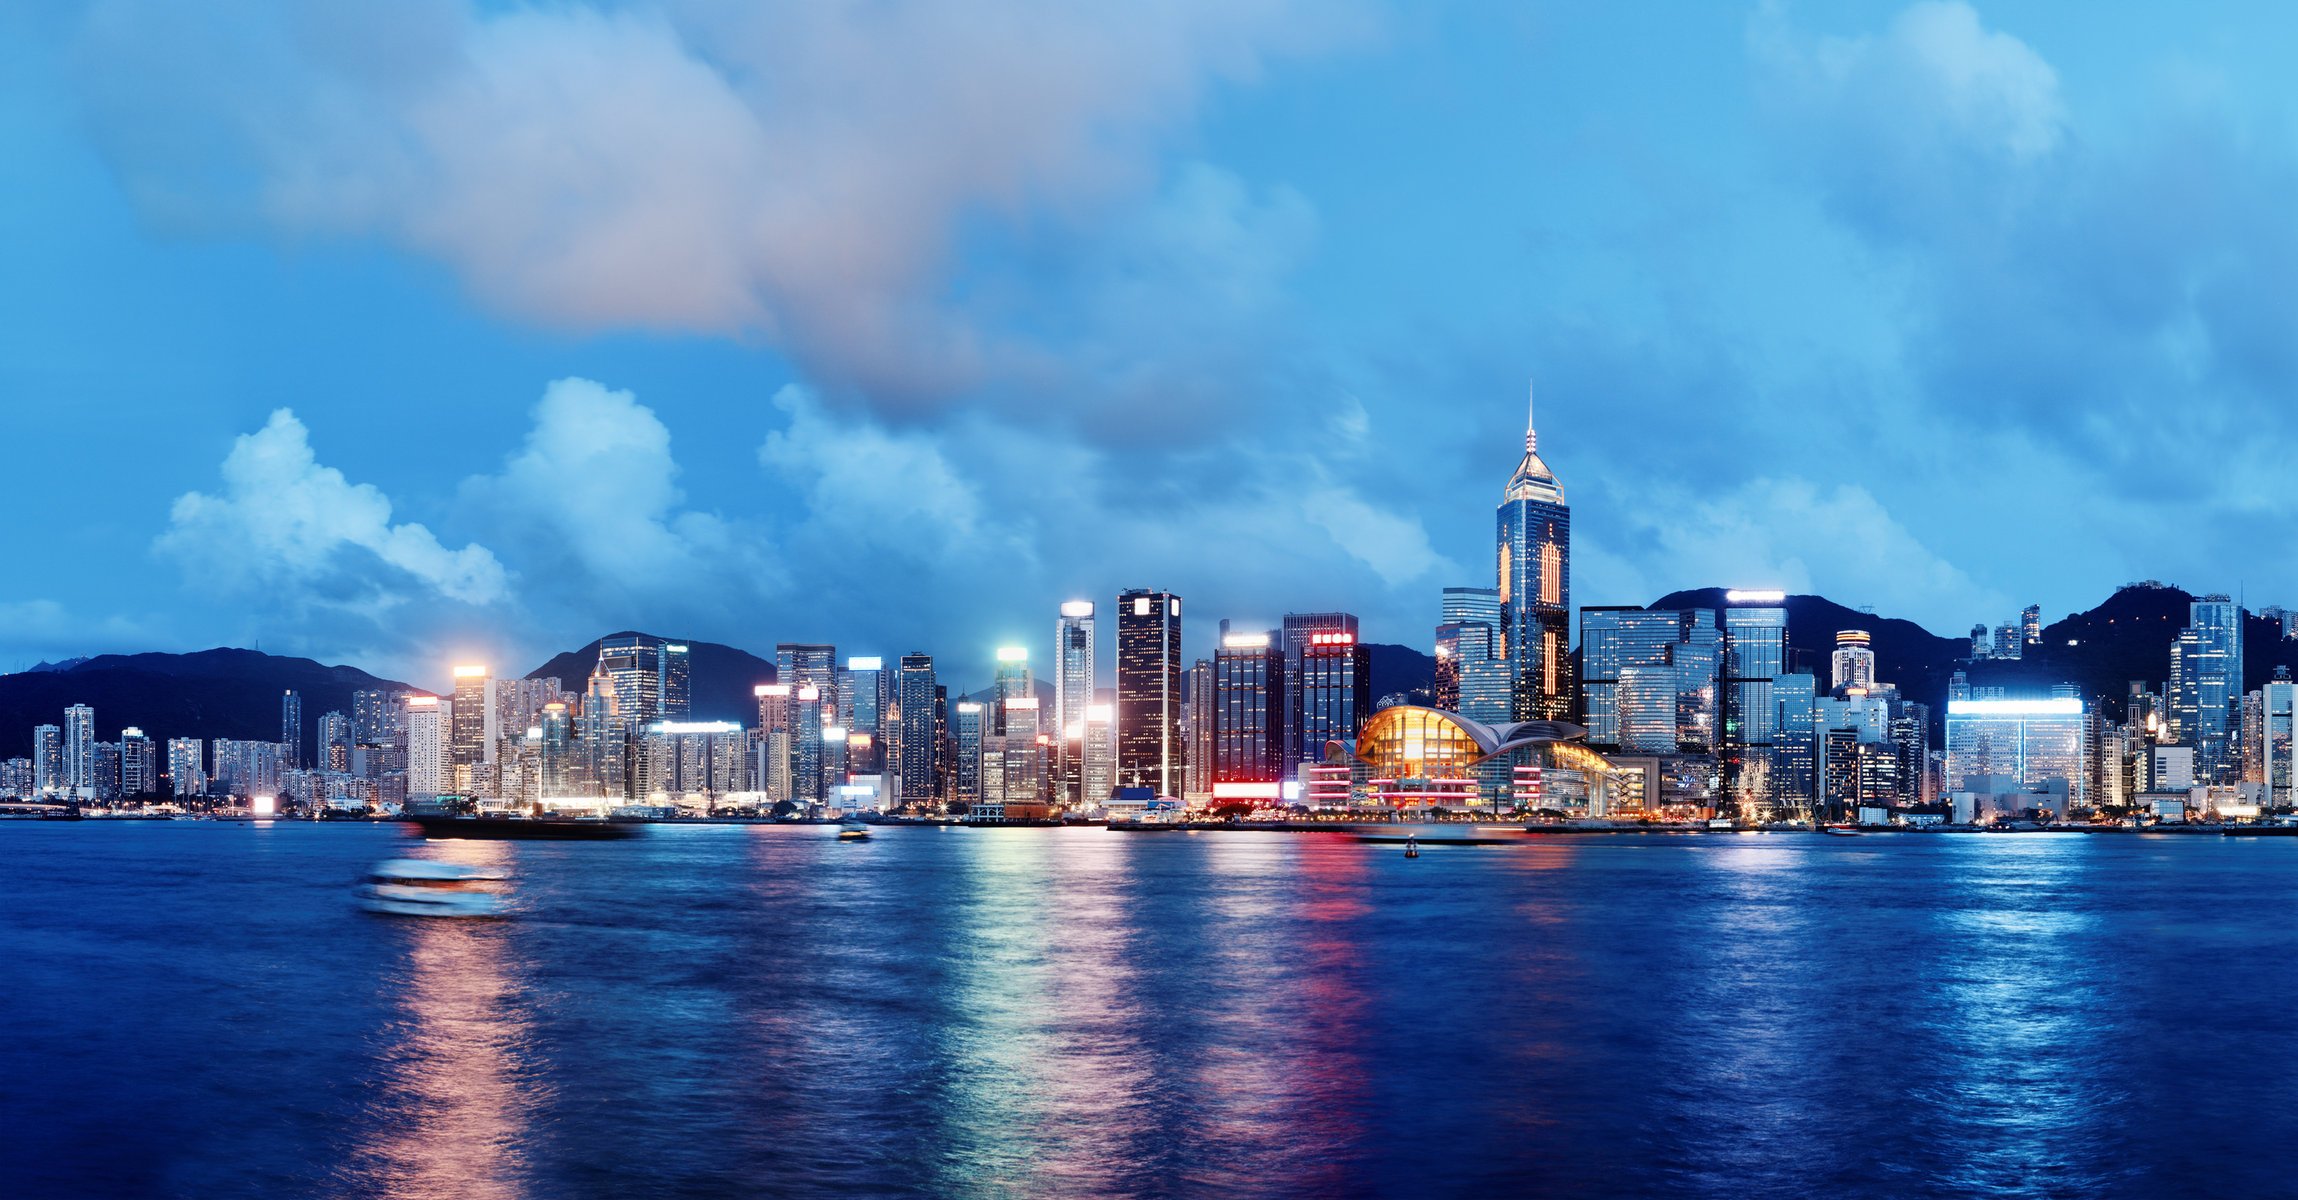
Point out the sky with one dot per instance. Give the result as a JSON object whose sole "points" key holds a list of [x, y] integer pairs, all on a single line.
{"points": [[399, 334]]}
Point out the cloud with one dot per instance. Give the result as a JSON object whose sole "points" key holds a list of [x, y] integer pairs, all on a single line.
{"points": [[285, 526], [591, 498], [865, 485], [809, 173]]}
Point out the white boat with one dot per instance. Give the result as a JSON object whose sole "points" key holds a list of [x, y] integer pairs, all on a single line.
{"points": [[414, 887], [853, 831]]}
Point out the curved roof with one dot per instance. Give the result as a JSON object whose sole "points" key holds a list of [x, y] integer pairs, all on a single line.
{"points": [[1490, 739]]}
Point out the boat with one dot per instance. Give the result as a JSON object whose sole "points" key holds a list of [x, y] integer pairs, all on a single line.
{"points": [[1411, 847], [414, 887], [1839, 830], [521, 828], [853, 831]]}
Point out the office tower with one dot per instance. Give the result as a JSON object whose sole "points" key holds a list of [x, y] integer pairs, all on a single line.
{"points": [[1675, 657], [1911, 743], [1755, 653], [1472, 671], [139, 763], [2206, 686], [1295, 633], [864, 696], [1073, 647], [1011, 681], [1248, 711], [2025, 741], [430, 767], [1795, 745], [1330, 685], [373, 717], [633, 666], [969, 723], [80, 751], [291, 730], [2031, 625], [1535, 535], [800, 663], [1853, 664], [808, 766], [677, 682], [921, 721], [48, 759], [472, 723], [334, 742], [1149, 749], [771, 741], [554, 750], [186, 776], [1199, 719], [2279, 748], [1097, 741]]}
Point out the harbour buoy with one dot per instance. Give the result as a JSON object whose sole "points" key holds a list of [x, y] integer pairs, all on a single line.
{"points": [[1411, 846]]}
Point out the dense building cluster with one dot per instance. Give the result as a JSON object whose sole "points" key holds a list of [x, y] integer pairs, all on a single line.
{"points": [[1691, 714]]}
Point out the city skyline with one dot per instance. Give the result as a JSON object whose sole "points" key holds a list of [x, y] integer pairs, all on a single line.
{"points": [[1165, 330]]}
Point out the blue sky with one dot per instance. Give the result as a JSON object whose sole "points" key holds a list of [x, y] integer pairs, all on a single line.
{"points": [[395, 334]]}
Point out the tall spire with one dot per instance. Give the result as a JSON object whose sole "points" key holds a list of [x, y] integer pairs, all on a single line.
{"points": [[1533, 480], [1531, 436]]}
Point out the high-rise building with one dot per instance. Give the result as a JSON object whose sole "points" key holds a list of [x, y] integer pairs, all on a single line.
{"points": [[430, 766], [2031, 625], [1795, 744], [1755, 653], [1675, 658], [2026, 741], [139, 763], [1982, 643], [2008, 642], [554, 751], [809, 768], [2279, 748], [677, 682], [1073, 679], [2206, 686], [1330, 685], [1098, 751], [1296, 631], [1013, 680], [969, 724], [291, 730], [48, 777], [1199, 720], [1473, 675], [864, 699], [632, 665], [473, 723], [773, 742], [187, 775], [374, 717], [801, 663], [921, 722], [1854, 661], [1535, 556], [1149, 748], [1248, 711], [80, 751], [334, 742]]}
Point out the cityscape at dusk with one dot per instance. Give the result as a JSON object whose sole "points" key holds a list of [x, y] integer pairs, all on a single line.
{"points": [[887, 597]]}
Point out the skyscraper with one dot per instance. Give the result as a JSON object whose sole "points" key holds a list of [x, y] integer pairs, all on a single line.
{"points": [[1330, 685], [429, 766], [1012, 681], [80, 751], [1149, 750], [864, 699], [470, 739], [921, 727], [139, 763], [2279, 754], [1296, 631], [2207, 686], [48, 759], [2031, 625], [969, 725], [291, 730], [633, 665], [1098, 750], [1674, 657], [334, 742], [1755, 653], [1854, 661], [677, 683], [1473, 676], [186, 776], [1072, 694], [1248, 710], [799, 663], [1535, 557]]}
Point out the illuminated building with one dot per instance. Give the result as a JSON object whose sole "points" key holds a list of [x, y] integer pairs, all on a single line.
{"points": [[80, 752], [916, 693], [139, 763], [1649, 678], [1072, 693], [633, 666], [291, 729], [1853, 664], [800, 663], [774, 743], [1198, 722], [2008, 642], [1012, 681], [1330, 682], [1795, 744], [186, 774], [1149, 749], [677, 682], [2031, 625], [968, 723], [428, 764], [1248, 711], [1535, 574], [2279, 749], [374, 717], [2206, 686], [1472, 672], [808, 765], [472, 722], [863, 698], [334, 742], [1418, 757], [553, 746], [1754, 654], [1298, 632], [1097, 739], [697, 758], [47, 759], [2026, 741]]}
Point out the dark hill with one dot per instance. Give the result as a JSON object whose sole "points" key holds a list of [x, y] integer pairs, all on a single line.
{"points": [[208, 694], [1401, 669], [722, 676], [1906, 654]]}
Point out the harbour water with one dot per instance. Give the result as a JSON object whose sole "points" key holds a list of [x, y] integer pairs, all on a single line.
{"points": [[199, 1010]]}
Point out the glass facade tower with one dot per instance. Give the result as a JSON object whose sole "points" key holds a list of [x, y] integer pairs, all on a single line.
{"points": [[1535, 575], [1149, 749]]}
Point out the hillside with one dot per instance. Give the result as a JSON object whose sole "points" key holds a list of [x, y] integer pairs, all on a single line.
{"points": [[211, 693]]}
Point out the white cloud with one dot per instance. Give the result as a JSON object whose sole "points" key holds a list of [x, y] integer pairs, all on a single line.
{"points": [[865, 484], [285, 523]]}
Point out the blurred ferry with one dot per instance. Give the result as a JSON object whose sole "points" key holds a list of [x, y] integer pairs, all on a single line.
{"points": [[413, 887]]}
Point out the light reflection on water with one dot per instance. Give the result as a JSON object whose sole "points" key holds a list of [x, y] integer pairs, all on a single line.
{"points": [[729, 1010]]}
